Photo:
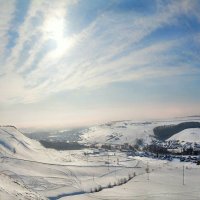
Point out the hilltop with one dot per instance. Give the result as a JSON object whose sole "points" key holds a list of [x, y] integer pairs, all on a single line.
{"points": [[130, 131]]}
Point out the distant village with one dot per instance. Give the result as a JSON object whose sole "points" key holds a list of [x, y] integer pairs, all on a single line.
{"points": [[177, 147], [165, 150]]}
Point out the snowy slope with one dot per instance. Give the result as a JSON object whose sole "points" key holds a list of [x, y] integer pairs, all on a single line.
{"points": [[127, 131], [13, 142], [11, 189], [164, 183], [16, 145], [118, 132], [30, 171], [187, 135]]}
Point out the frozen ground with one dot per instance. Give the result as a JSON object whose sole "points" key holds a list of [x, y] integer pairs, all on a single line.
{"points": [[29, 171]]}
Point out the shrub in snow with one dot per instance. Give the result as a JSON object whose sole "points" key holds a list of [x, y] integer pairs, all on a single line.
{"points": [[96, 189], [129, 177], [120, 181], [124, 180], [109, 185], [100, 188]]}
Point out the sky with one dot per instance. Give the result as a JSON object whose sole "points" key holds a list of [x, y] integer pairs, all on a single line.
{"points": [[81, 62]]}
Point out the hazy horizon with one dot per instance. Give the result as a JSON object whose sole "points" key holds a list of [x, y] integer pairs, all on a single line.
{"points": [[73, 63], [66, 126]]}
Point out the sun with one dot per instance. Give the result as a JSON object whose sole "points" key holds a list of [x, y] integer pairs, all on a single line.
{"points": [[54, 29]]}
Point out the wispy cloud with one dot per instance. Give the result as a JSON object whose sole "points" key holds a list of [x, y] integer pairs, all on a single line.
{"points": [[114, 47], [7, 10]]}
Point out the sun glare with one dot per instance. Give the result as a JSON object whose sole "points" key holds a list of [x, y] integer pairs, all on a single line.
{"points": [[54, 29]]}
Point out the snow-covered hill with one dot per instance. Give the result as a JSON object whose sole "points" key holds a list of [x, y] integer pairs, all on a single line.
{"points": [[29, 171], [187, 135], [127, 131], [118, 132], [13, 142]]}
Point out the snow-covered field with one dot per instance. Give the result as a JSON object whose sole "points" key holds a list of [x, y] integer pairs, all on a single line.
{"points": [[29, 171], [165, 181]]}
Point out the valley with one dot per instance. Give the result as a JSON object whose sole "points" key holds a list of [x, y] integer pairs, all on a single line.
{"points": [[28, 170]]}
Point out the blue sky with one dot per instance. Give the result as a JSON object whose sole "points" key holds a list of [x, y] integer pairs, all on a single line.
{"points": [[80, 62]]}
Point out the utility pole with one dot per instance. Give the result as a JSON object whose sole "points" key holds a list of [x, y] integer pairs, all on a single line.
{"points": [[147, 171], [70, 156], [115, 169], [108, 161], [183, 175]]}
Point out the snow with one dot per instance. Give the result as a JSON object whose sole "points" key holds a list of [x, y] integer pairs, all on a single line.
{"points": [[117, 133], [126, 131], [29, 171], [188, 135], [14, 142], [11, 189], [165, 182]]}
